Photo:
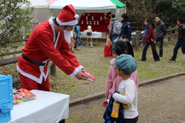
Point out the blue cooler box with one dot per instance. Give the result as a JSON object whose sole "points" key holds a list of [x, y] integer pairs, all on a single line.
{"points": [[6, 98]]}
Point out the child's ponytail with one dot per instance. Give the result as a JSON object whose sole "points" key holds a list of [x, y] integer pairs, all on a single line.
{"points": [[130, 49], [120, 47]]}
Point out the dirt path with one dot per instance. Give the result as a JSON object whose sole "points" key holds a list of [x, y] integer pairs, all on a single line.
{"points": [[162, 102]]}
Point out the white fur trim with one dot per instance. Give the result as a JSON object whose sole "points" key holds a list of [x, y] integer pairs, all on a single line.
{"points": [[74, 73], [52, 26], [80, 67], [38, 80], [76, 16], [42, 75], [70, 23]]}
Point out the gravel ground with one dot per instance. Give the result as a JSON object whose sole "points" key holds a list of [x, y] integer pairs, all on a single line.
{"points": [[161, 102]]}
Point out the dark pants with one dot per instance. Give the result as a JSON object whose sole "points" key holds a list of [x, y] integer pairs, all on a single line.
{"points": [[131, 120], [76, 39], [155, 54], [177, 46], [112, 38], [160, 40]]}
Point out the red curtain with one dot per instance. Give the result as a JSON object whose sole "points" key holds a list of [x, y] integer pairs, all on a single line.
{"points": [[98, 21]]}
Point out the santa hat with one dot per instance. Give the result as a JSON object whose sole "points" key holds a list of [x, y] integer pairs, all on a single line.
{"points": [[67, 16]]}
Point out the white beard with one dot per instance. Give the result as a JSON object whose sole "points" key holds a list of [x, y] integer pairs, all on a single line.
{"points": [[67, 35]]}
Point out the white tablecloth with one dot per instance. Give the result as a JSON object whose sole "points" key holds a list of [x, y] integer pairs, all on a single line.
{"points": [[94, 34], [48, 107]]}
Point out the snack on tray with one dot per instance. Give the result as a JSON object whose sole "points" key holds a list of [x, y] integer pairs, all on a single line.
{"points": [[16, 99], [90, 77], [25, 94]]}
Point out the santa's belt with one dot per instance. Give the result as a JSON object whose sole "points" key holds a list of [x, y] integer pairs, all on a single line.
{"points": [[34, 62]]}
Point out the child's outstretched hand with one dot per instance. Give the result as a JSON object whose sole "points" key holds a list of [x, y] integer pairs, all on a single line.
{"points": [[105, 104]]}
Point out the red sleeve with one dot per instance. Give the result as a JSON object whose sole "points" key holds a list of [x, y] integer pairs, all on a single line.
{"points": [[65, 51], [45, 42], [148, 35]]}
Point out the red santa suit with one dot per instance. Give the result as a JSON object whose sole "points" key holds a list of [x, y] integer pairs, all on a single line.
{"points": [[44, 45]]}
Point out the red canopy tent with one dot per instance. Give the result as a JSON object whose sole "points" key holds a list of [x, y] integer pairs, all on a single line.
{"points": [[98, 21]]}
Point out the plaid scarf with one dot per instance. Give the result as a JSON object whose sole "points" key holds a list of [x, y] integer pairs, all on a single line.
{"points": [[107, 114]]}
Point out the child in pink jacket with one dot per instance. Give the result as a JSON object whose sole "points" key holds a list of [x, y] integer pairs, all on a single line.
{"points": [[113, 79]]}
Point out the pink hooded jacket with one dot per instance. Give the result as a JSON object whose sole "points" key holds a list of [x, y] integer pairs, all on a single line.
{"points": [[113, 81]]}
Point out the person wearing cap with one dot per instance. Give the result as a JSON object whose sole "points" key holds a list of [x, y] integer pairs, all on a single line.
{"points": [[49, 41], [160, 33], [128, 96], [181, 40], [113, 80]]}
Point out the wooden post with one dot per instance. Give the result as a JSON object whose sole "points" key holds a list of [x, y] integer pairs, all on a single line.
{"points": [[137, 39], [170, 32], [8, 61], [53, 70], [176, 32]]}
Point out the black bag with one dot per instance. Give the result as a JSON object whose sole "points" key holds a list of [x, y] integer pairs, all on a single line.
{"points": [[89, 33]]}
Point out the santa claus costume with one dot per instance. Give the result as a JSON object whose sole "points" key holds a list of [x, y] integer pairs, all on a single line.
{"points": [[44, 45]]}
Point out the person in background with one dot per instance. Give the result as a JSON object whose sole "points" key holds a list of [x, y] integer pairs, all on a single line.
{"points": [[113, 80], [75, 38], [181, 40], [89, 36], [78, 36], [72, 43], [108, 20], [160, 33], [111, 34], [149, 39], [125, 29]]}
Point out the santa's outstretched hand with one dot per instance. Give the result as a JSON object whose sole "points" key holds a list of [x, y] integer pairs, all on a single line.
{"points": [[83, 70], [80, 75]]}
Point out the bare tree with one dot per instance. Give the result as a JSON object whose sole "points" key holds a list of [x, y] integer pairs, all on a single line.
{"points": [[140, 10]]}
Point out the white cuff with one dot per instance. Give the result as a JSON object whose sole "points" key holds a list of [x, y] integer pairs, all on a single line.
{"points": [[70, 23], [80, 67], [108, 101], [74, 73]]}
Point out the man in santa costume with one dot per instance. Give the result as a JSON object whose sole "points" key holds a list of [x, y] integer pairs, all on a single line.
{"points": [[49, 41]]}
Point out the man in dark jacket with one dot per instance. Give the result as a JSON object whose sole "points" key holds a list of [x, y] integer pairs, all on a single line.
{"points": [[149, 39], [160, 33], [181, 40], [125, 29]]}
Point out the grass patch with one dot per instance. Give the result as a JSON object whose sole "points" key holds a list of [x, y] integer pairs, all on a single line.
{"points": [[165, 43]]}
